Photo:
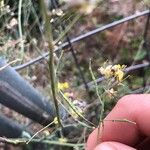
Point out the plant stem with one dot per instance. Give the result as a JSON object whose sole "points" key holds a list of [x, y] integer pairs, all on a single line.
{"points": [[71, 105], [19, 141], [100, 100], [39, 132], [20, 28], [49, 37]]}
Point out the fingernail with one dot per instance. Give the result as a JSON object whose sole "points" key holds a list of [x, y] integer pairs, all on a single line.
{"points": [[105, 147]]}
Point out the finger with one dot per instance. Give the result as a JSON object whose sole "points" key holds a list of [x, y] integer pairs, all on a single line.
{"points": [[113, 146], [135, 108]]}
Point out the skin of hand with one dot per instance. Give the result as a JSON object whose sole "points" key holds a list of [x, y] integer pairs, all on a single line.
{"points": [[125, 135]]}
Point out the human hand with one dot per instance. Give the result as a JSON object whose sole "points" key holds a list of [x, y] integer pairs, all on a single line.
{"points": [[124, 135]]}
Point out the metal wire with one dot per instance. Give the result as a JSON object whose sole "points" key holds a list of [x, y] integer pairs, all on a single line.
{"points": [[83, 36], [127, 70], [140, 90]]}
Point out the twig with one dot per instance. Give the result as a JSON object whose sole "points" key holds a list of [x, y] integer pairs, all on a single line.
{"points": [[51, 58], [8, 64], [67, 29], [122, 120], [97, 91], [39, 132], [100, 100], [71, 105], [23, 141], [20, 28]]}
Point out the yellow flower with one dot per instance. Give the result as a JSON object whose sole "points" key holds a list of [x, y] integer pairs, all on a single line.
{"points": [[116, 67], [113, 71], [107, 72], [66, 85], [63, 140], [63, 86], [119, 75], [55, 121], [66, 94]]}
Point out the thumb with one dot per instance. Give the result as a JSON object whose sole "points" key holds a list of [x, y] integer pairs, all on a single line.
{"points": [[113, 146]]}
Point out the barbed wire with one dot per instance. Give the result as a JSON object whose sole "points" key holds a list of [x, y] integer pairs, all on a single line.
{"points": [[82, 37]]}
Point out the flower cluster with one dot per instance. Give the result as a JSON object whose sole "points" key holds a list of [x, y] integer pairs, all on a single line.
{"points": [[116, 71], [63, 86], [55, 121]]}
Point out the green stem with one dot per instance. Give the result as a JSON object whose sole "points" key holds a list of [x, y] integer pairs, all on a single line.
{"points": [[48, 31], [21, 141], [71, 105], [20, 28], [67, 28], [99, 97], [39, 132]]}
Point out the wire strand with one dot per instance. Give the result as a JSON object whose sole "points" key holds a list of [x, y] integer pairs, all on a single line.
{"points": [[82, 37]]}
